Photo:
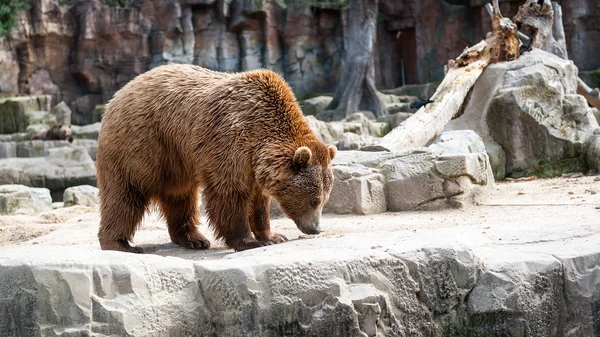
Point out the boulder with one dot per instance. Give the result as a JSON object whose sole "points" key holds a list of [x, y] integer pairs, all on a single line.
{"points": [[593, 155], [497, 159], [354, 141], [39, 148], [453, 172], [322, 130], [62, 168], [357, 190], [62, 113], [23, 200], [84, 195], [312, 106], [15, 112], [514, 282], [97, 113], [394, 119], [367, 126], [89, 131], [530, 108], [429, 180]]}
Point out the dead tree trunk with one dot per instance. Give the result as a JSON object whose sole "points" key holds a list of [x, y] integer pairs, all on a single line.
{"points": [[356, 89], [535, 19], [430, 120], [556, 42], [591, 95]]}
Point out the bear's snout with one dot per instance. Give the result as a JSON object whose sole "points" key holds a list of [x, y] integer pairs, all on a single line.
{"points": [[311, 224]]}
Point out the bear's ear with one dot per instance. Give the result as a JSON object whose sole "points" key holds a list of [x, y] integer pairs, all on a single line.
{"points": [[302, 156], [332, 151]]}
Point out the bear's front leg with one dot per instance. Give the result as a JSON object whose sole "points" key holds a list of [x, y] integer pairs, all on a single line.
{"points": [[260, 222], [183, 219], [228, 215]]}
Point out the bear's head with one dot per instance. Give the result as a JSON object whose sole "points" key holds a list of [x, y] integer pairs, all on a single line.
{"points": [[303, 188], [64, 133]]}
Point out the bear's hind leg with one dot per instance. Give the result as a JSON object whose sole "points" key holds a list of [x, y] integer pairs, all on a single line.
{"points": [[121, 211], [182, 217], [260, 222]]}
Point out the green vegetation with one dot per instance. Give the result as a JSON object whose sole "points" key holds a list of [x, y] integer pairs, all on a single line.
{"points": [[8, 10], [557, 168]]}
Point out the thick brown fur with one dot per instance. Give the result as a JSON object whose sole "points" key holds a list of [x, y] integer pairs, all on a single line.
{"points": [[240, 137], [55, 132]]}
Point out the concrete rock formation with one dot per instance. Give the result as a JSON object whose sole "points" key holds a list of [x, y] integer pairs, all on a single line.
{"points": [[23, 200], [438, 282], [84, 195], [108, 46], [530, 108], [63, 167], [453, 172]]}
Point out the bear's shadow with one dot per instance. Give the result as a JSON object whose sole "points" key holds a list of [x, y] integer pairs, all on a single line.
{"points": [[171, 249], [217, 251]]}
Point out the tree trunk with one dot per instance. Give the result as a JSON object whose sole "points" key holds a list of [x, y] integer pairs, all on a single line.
{"points": [[556, 41], [356, 89], [591, 95], [430, 120]]}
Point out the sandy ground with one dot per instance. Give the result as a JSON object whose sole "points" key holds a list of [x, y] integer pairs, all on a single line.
{"points": [[564, 207]]}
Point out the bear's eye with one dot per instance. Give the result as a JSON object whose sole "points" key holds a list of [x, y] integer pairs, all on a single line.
{"points": [[315, 202]]}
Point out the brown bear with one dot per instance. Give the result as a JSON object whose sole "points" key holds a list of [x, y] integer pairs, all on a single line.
{"points": [[240, 137], [55, 132]]}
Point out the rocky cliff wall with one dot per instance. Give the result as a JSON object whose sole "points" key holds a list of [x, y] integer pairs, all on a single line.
{"points": [[82, 51]]}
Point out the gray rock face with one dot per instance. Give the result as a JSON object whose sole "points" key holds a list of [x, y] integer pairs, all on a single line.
{"points": [[62, 112], [312, 106], [357, 190], [23, 200], [451, 286], [530, 108], [61, 168], [593, 155], [16, 113], [454, 171], [38, 148], [84, 195], [352, 141], [89, 131], [363, 130]]}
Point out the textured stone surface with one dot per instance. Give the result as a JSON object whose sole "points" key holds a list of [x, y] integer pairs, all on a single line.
{"points": [[453, 281], [62, 168], [89, 131], [81, 54], [312, 106], [19, 199], [362, 129], [84, 195], [454, 171], [16, 113], [357, 190], [39, 148], [530, 108], [62, 112]]}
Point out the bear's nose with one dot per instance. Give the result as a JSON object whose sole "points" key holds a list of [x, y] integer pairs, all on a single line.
{"points": [[315, 230]]}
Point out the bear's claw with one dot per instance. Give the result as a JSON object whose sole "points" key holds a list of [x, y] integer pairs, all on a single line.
{"points": [[194, 244], [119, 245], [249, 244], [271, 237]]}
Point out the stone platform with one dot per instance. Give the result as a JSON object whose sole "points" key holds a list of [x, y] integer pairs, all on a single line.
{"points": [[525, 263]]}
